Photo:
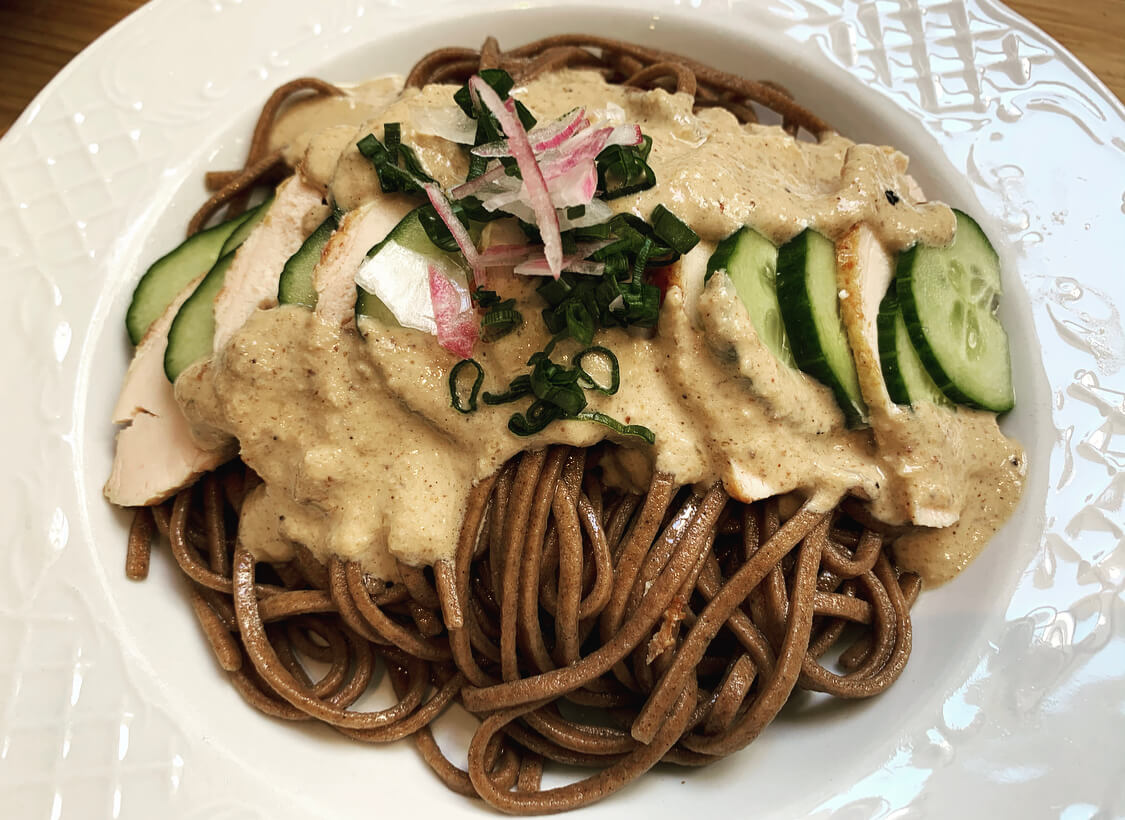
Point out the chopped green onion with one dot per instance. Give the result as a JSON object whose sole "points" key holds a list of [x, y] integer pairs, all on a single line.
{"points": [[392, 138], [556, 291], [537, 417], [520, 387], [500, 321], [556, 384], [393, 179], [455, 393], [638, 430], [667, 226], [622, 170], [592, 383], [576, 212], [645, 148], [485, 298], [500, 80], [579, 322], [413, 164]]}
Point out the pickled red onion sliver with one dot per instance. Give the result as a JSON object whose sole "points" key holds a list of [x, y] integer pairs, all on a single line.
{"points": [[535, 186], [490, 177], [498, 255], [575, 187], [543, 138], [537, 265], [460, 233], [456, 328]]}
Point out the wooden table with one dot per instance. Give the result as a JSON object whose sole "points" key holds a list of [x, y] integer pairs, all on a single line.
{"points": [[38, 37]]}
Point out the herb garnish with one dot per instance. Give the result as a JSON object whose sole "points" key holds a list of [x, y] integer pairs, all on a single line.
{"points": [[624, 169], [456, 391], [622, 250], [385, 157], [559, 393], [501, 316]]}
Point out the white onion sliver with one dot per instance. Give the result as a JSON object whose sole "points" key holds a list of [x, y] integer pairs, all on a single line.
{"points": [[538, 196], [574, 152], [625, 135], [586, 267], [448, 122], [596, 213], [537, 265]]}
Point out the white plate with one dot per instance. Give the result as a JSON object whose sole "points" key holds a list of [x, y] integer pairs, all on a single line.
{"points": [[1013, 704]]}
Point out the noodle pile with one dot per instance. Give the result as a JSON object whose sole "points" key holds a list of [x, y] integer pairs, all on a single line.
{"points": [[582, 624]]}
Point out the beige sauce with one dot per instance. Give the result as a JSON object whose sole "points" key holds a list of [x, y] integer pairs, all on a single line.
{"points": [[362, 455]]}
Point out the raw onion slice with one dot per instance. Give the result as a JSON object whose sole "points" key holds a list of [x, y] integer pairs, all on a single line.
{"points": [[448, 122], [495, 177], [596, 213], [576, 262], [534, 184], [543, 138], [575, 187], [459, 231], [456, 326], [502, 255]]}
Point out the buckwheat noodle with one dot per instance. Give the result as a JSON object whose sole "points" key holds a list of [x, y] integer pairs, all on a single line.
{"points": [[582, 624]]}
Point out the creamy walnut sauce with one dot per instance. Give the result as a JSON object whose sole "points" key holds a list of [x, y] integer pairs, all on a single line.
{"points": [[362, 456]]}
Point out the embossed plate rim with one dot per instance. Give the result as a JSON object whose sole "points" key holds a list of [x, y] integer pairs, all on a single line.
{"points": [[55, 598]]}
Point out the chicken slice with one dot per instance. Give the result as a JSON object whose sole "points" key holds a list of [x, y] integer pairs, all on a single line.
{"points": [[864, 271], [156, 455], [359, 231], [251, 281]]}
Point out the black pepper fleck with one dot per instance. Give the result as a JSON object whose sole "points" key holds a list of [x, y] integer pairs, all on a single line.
{"points": [[892, 197]]}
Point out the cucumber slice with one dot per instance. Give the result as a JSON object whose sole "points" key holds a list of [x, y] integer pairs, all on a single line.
{"points": [[170, 274], [903, 372], [750, 261], [949, 297], [398, 267], [295, 286], [253, 217], [810, 309], [192, 333], [371, 306]]}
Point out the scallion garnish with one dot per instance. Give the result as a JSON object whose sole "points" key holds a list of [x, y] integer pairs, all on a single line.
{"points": [[392, 138], [579, 321], [500, 321], [538, 416], [669, 227], [456, 391], [587, 380], [556, 384], [392, 178], [638, 430], [623, 169], [520, 387]]}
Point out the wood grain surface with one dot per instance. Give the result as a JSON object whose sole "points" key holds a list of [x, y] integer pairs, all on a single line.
{"points": [[39, 37]]}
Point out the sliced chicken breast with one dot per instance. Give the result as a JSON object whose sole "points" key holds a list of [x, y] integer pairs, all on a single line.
{"points": [[251, 281], [156, 455], [864, 271], [359, 232]]}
